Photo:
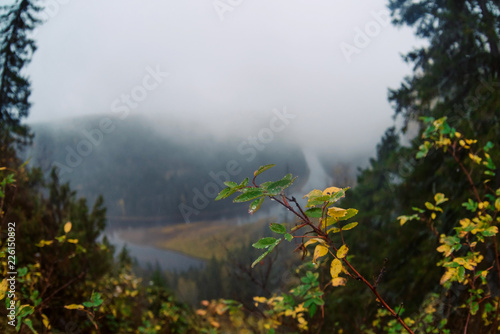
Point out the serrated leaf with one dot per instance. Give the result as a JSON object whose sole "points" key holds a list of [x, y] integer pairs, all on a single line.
{"points": [[264, 242], [319, 251], [231, 184], [335, 268], [67, 227], [349, 226], [278, 228], [263, 169], [269, 250], [342, 251], [249, 195], [314, 212], [255, 205]]}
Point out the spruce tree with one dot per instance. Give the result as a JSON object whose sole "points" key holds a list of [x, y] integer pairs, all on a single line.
{"points": [[16, 50]]}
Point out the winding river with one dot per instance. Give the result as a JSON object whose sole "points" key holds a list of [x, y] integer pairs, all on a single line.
{"points": [[148, 256]]}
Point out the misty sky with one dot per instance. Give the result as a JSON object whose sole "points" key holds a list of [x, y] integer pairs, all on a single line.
{"points": [[229, 64]]}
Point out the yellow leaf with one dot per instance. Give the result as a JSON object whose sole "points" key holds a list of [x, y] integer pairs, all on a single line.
{"points": [[447, 275], [319, 251], [402, 220], [73, 241], [335, 268], [337, 212], [313, 241], [74, 307], [475, 158], [444, 249], [45, 321], [3, 288], [471, 141], [261, 300], [339, 281], [458, 134], [67, 227], [433, 215], [314, 193], [342, 252], [331, 191], [497, 204]]}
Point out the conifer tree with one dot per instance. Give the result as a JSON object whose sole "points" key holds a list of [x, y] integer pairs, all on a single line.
{"points": [[16, 49]]}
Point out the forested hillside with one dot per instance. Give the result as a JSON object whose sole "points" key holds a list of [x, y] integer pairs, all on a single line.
{"points": [[150, 178]]}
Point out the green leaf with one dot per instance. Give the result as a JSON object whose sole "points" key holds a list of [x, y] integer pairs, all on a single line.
{"points": [[338, 195], [278, 228], [231, 184], [312, 310], [88, 304], [493, 230], [278, 186], [265, 253], [461, 274], [96, 298], [255, 205], [25, 310], [350, 213], [314, 212], [264, 242], [263, 169], [28, 323], [288, 237], [244, 183], [22, 271], [489, 145], [249, 195]]}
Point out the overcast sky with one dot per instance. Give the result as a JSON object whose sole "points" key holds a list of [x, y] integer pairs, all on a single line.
{"points": [[229, 64]]}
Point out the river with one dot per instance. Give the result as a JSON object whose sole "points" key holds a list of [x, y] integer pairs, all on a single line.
{"points": [[149, 256]]}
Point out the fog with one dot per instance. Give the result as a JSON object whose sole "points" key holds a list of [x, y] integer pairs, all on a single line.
{"points": [[225, 68]]}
